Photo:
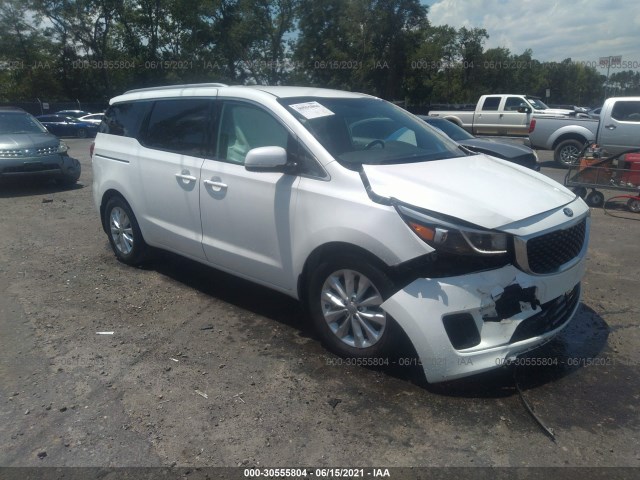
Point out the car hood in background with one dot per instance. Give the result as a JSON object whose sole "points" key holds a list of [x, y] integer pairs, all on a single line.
{"points": [[508, 151], [28, 140], [478, 189]]}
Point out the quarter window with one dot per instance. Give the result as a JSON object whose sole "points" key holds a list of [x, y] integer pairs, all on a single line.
{"points": [[179, 126], [124, 119]]}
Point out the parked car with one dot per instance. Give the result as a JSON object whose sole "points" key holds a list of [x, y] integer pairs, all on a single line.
{"points": [[72, 113], [505, 150], [67, 126], [500, 114], [295, 188], [616, 130], [28, 149], [95, 118]]}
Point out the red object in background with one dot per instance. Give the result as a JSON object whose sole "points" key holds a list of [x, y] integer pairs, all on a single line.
{"points": [[632, 166]]}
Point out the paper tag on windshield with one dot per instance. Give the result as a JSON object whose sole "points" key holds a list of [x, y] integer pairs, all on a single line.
{"points": [[311, 110]]}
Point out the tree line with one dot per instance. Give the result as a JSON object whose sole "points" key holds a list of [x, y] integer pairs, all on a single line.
{"points": [[95, 49]]}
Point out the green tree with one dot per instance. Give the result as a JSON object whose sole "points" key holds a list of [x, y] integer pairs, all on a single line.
{"points": [[26, 55]]}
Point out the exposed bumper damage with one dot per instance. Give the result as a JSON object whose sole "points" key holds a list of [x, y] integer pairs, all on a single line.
{"points": [[469, 324], [54, 165]]}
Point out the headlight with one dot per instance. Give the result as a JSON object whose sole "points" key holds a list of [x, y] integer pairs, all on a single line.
{"points": [[446, 236], [62, 147]]}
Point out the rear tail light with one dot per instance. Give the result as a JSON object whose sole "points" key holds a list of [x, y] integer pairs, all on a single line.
{"points": [[532, 125], [93, 145]]}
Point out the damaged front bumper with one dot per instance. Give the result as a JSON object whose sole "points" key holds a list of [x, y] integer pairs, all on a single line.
{"points": [[55, 165], [469, 324]]}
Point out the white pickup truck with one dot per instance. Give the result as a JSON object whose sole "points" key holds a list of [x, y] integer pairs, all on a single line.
{"points": [[617, 130], [502, 114]]}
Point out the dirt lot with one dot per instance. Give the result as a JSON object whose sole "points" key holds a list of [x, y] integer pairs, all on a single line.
{"points": [[270, 394]]}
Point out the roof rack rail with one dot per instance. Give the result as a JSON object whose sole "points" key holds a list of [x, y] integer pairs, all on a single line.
{"points": [[169, 87]]}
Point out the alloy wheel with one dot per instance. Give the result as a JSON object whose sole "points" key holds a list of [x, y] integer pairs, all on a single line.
{"points": [[121, 230], [351, 307]]}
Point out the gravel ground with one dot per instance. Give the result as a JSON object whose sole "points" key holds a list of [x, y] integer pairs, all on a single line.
{"points": [[204, 369]]}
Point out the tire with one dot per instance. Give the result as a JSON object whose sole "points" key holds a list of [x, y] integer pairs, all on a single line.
{"points": [[595, 199], [124, 233], [81, 133], [346, 325], [68, 180], [566, 153], [633, 205], [71, 170]]}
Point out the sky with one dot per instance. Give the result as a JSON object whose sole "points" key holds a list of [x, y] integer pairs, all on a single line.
{"points": [[583, 30]]}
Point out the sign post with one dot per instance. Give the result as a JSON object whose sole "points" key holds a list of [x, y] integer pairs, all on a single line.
{"points": [[607, 62]]}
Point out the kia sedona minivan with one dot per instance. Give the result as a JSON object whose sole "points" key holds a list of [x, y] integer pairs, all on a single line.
{"points": [[377, 222]]}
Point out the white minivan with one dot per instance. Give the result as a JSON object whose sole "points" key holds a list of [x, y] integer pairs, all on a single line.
{"points": [[377, 222]]}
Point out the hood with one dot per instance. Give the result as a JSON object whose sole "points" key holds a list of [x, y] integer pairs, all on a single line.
{"points": [[478, 189], [508, 151], [27, 140]]}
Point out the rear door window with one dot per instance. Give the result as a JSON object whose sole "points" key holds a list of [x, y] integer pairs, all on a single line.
{"points": [[491, 103], [179, 126]]}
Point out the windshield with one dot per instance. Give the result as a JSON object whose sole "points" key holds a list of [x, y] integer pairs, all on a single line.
{"points": [[369, 131], [537, 103], [452, 130], [19, 123]]}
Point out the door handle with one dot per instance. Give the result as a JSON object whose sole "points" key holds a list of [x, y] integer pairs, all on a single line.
{"points": [[184, 176], [218, 185], [610, 127], [501, 115]]}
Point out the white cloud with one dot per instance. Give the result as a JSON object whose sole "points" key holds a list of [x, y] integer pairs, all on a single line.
{"points": [[583, 30]]}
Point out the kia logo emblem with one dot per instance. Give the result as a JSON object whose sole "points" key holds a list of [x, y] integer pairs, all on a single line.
{"points": [[568, 212]]}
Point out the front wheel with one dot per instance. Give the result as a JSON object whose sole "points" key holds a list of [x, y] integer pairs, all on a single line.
{"points": [[124, 233], [344, 298], [566, 153]]}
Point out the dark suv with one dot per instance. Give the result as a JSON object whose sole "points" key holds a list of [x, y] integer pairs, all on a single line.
{"points": [[28, 149]]}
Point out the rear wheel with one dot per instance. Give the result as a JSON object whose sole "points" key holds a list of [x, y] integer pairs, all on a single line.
{"points": [[344, 298], [633, 205], [595, 199], [566, 153], [81, 133], [124, 233]]}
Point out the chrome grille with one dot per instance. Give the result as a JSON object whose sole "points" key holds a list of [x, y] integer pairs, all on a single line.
{"points": [[11, 153], [547, 253], [47, 150], [28, 152]]}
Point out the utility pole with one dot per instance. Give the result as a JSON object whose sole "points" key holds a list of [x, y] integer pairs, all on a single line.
{"points": [[608, 61]]}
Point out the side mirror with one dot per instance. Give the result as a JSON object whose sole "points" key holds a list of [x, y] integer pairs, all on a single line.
{"points": [[524, 109], [266, 159]]}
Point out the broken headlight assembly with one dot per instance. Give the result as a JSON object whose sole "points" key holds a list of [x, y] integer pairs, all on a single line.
{"points": [[444, 235]]}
